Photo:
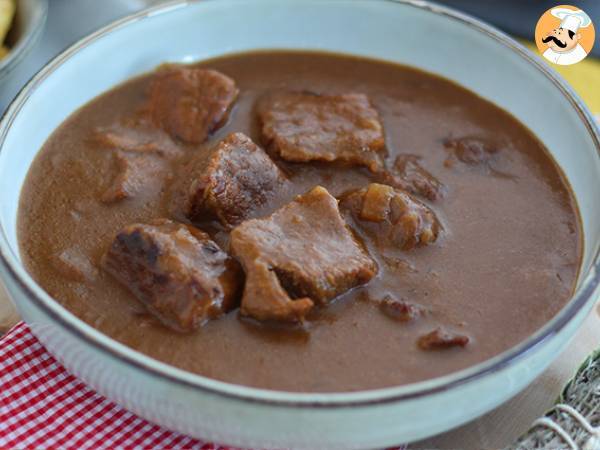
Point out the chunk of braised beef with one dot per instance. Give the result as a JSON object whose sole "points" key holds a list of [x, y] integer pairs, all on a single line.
{"points": [[303, 126], [230, 182], [141, 155], [392, 217], [176, 271], [190, 103], [469, 150], [409, 175], [135, 175], [74, 265], [301, 255], [134, 135], [440, 339], [401, 309]]}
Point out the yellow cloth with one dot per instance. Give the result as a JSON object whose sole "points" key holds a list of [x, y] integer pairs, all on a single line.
{"points": [[584, 77]]}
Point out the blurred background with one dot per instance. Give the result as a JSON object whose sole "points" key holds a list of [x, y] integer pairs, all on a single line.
{"points": [[518, 17]]}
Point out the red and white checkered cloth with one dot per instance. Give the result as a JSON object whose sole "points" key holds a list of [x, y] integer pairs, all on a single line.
{"points": [[43, 406]]}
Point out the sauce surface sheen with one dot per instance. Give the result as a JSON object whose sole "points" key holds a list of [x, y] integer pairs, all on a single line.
{"points": [[505, 265]]}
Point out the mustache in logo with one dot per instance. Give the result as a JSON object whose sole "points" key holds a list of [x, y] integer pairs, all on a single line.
{"points": [[555, 40]]}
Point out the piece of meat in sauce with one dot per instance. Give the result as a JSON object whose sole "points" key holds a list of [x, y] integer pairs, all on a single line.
{"points": [[392, 216], [229, 182], [74, 265], [401, 309], [302, 127], [135, 174], [469, 150], [141, 155], [181, 275], [189, 102], [409, 175], [302, 254], [135, 135], [440, 339]]}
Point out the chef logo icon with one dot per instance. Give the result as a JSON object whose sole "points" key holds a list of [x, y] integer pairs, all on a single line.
{"points": [[564, 35]]}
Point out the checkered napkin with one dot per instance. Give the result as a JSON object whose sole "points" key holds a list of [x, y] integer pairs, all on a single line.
{"points": [[43, 406]]}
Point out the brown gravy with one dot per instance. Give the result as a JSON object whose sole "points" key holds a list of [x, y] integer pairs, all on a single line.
{"points": [[506, 264]]}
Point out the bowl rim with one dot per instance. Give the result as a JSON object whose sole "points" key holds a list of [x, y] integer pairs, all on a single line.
{"points": [[102, 343], [27, 42]]}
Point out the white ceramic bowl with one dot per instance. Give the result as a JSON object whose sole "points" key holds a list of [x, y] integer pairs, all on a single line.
{"points": [[414, 33]]}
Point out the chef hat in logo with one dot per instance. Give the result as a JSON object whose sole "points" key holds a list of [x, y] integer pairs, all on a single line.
{"points": [[572, 19]]}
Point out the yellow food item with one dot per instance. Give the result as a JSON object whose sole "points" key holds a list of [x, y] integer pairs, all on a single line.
{"points": [[7, 12], [3, 51]]}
